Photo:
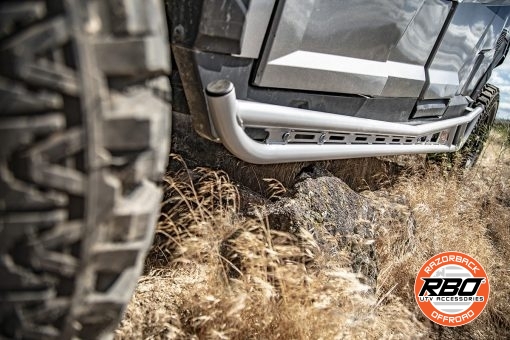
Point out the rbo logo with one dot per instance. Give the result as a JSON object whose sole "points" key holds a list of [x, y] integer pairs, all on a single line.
{"points": [[451, 289]]}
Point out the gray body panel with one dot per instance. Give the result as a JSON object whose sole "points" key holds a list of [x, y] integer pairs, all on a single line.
{"points": [[473, 32], [380, 47], [387, 60]]}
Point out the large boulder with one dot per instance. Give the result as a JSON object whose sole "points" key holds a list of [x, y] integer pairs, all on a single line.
{"points": [[337, 217]]}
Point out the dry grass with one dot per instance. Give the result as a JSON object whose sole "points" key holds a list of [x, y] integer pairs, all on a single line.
{"points": [[459, 211], [214, 274], [231, 277]]}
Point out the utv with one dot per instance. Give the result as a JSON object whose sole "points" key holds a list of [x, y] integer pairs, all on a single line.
{"points": [[86, 88]]}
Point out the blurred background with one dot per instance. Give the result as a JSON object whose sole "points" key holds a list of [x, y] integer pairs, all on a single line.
{"points": [[501, 78]]}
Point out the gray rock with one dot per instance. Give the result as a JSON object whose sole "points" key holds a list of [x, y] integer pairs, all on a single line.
{"points": [[337, 217]]}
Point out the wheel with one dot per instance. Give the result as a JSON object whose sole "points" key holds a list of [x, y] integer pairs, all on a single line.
{"points": [[84, 133], [489, 97], [472, 149]]}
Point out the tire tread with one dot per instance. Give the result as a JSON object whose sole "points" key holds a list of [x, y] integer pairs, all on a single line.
{"points": [[67, 270]]}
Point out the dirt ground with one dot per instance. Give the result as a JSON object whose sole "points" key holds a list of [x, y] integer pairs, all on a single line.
{"points": [[217, 273]]}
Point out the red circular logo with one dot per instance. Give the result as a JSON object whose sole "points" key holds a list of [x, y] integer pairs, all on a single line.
{"points": [[451, 289]]}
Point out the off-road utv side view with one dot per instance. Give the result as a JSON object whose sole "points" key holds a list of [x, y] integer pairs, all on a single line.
{"points": [[86, 88]]}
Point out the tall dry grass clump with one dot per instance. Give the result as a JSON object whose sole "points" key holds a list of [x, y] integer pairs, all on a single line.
{"points": [[230, 277], [464, 211]]}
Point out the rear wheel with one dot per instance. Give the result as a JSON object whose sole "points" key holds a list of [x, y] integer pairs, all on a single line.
{"points": [[489, 97], [472, 149], [84, 133]]}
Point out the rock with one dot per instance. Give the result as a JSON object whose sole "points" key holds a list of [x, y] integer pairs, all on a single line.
{"points": [[337, 217]]}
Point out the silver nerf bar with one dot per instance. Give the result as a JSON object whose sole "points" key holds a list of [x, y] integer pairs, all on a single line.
{"points": [[231, 116]]}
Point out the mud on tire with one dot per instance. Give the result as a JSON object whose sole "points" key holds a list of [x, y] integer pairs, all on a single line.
{"points": [[84, 132]]}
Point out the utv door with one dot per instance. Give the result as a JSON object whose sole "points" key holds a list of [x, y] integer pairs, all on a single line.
{"points": [[392, 48]]}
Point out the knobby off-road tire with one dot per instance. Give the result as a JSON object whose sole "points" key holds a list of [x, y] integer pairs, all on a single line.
{"points": [[84, 132], [468, 156], [489, 98]]}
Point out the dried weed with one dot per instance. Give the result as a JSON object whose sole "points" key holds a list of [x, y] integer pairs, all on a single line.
{"points": [[214, 274]]}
